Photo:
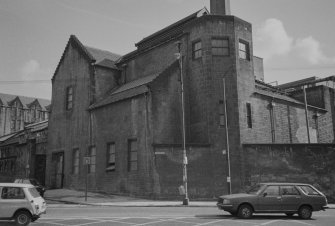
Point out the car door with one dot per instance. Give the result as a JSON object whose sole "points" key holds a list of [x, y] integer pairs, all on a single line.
{"points": [[291, 198], [269, 200]]}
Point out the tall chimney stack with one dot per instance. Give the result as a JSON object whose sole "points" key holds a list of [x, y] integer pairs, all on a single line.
{"points": [[220, 7]]}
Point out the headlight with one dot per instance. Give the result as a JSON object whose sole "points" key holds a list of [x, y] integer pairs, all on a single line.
{"points": [[226, 201]]}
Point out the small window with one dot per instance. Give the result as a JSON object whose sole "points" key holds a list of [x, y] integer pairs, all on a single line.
{"points": [[92, 155], [197, 51], [110, 157], [289, 190], [249, 116], [309, 190], [75, 161], [272, 191], [220, 47], [132, 155], [244, 50], [69, 98], [12, 193]]}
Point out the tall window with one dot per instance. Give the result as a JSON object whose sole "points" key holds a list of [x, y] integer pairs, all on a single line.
{"points": [[132, 155], [220, 47], [243, 52], [75, 161], [92, 155], [110, 157], [249, 116], [197, 51], [69, 98]]}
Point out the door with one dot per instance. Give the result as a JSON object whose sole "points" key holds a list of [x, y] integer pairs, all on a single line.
{"points": [[58, 159], [12, 198], [291, 198], [269, 200], [40, 166]]}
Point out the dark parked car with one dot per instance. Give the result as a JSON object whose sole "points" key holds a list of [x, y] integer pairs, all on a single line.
{"points": [[288, 198], [39, 187]]}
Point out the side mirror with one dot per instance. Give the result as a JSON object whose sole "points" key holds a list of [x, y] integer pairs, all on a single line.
{"points": [[265, 194]]}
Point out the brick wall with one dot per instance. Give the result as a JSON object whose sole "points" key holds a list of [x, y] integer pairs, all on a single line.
{"points": [[312, 164]]}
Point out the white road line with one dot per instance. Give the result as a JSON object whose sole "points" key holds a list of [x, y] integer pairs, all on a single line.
{"points": [[270, 222], [212, 222]]}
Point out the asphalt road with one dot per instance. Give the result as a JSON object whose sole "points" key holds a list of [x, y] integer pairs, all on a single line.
{"points": [[163, 216]]}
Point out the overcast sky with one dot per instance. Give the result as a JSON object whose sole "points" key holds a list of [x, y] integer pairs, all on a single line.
{"points": [[295, 37]]}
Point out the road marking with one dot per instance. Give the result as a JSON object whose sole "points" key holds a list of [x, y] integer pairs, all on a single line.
{"points": [[301, 222], [212, 222], [269, 222]]}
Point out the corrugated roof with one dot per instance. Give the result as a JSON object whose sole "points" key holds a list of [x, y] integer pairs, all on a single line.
{"points": [[37, 126], [26, 101], [6, 137]]}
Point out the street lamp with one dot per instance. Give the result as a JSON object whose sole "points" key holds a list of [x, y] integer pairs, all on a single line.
{"points": [[180, 58]]}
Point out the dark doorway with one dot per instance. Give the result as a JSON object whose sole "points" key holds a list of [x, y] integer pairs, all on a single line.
{"points": [[40, 166], [58, 163]]}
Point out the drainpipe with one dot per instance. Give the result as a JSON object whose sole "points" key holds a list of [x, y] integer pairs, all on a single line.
{"points": [[306, 115]]}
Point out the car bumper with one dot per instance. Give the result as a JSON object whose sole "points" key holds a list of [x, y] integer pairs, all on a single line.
{"points": [[226, 207]]}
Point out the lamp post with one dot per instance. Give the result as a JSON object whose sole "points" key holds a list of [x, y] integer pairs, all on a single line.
{"points": [[227, 135], [180, 58]]}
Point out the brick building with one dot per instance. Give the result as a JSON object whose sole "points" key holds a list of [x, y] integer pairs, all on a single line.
{"points": [[18, 111], [123, 113]]}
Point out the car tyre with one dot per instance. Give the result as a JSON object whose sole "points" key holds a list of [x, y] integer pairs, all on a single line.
{"points": [[22, 218], [245, 211], [305, 212]]}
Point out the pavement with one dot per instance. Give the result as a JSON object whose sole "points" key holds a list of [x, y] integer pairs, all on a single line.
{"points": [[74, 197]]}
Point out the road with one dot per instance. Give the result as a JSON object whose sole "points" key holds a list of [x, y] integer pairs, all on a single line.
{"points": [[164, 216]]}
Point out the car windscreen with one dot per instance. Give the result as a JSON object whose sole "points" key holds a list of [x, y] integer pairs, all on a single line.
{"points": [[34, 192], [256, 189], [308, 190]]}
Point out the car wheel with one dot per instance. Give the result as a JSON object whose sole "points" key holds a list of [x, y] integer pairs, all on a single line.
{"points": [[245, 211], [305, 212], [22, 218], [289, 214]]}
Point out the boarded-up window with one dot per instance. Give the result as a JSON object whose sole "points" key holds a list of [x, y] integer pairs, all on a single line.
{"points": [[220, 47], [244, 52], [92, 155], [197, 51]]}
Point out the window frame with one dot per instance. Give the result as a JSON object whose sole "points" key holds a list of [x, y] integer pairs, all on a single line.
{"points": [[132, 153], [110, 165], [196, 53], [75, 161], [223, 47], [93, 159], [69, 98], [249, 115], [244, 53]]}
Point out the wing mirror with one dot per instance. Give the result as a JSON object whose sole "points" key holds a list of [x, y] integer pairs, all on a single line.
{"points": [[265, 194]]}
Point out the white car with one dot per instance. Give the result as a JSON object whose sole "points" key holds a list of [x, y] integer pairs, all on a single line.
{"points": [[21, 203]]}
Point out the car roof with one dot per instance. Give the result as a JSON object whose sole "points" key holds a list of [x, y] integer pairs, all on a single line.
{"points": [[283, 183], [16, 185]]}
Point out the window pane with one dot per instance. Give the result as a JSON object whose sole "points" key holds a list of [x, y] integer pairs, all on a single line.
{"points": [[272, 191]]}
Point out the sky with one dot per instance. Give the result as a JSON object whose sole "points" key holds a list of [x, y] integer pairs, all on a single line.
{"points": [[294, 37]]}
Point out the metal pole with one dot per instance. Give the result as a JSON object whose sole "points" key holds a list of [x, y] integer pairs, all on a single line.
{"points": [[227, 136], [306, 114], [86, 182], [186, 199]]}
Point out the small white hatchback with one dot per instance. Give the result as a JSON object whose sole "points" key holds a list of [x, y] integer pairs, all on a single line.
{"points": [[20, 203]]}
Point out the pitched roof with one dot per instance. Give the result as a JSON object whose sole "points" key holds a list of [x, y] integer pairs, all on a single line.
{"points": [[26, 101], [94, 55], [127, 90]]}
